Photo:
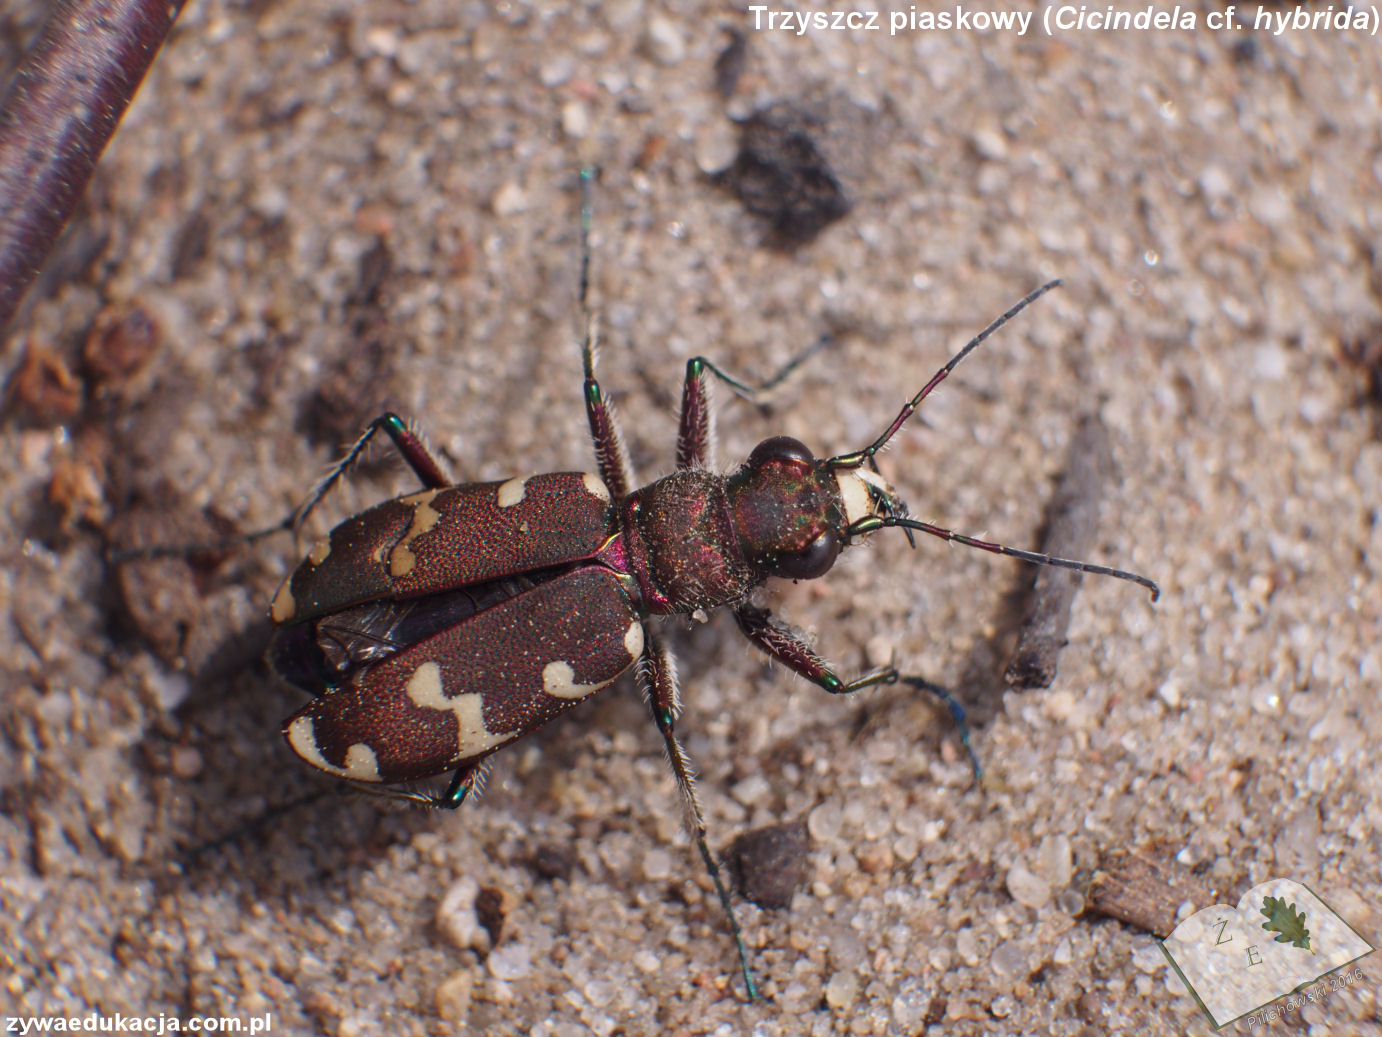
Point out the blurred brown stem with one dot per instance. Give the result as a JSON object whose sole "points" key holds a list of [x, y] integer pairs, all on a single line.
{"points": [[56, 117]]}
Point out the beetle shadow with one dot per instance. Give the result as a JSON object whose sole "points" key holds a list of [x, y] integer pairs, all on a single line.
{"points": [[255, 814], [250, 793], [981, 687]]}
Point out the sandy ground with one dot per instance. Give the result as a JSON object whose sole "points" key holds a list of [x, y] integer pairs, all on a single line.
{"points": [[1212, 200]]}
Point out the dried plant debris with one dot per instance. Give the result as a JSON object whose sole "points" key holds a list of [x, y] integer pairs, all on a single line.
{"points": [[89, 398], [1363, 352], [552, 861], [119, 349], [47, 389], [1072, 520], [1146, 891], [782, 171], [161, 598], [730, 62], [769, 864], [43, 389]]}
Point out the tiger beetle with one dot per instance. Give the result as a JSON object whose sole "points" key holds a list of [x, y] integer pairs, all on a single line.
{"points": [[437, 628]]}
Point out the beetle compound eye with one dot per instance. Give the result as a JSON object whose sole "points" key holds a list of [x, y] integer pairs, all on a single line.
{"points": [[815, 561], [780, 448]]}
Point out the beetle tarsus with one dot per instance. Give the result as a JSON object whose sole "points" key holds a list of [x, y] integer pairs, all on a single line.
{"points": [[957, 714]]}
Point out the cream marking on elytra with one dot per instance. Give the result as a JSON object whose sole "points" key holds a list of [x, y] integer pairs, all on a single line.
{"points": [[283, 607], [319, 552], [595, 486], [512, 492], [472, 736], [633, 639], [360, 762], [401, 558], [559, 681]]}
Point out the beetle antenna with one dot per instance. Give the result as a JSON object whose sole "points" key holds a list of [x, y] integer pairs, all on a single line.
{"points": [[866, 455], [591, 344], [872, 522], [587, 220]]}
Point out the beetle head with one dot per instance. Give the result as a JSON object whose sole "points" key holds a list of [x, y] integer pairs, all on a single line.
{"points": [[794, 512]]}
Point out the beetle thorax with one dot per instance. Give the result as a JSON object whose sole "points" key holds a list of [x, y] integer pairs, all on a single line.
{"points": [[687, 542]]}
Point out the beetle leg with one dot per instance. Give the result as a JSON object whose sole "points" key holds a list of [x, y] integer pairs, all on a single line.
{"points": [[408, 443], [610, 455], [464, 781], [787, 647], [696, 436], [657, 672], [957, 714], [405, 440]]}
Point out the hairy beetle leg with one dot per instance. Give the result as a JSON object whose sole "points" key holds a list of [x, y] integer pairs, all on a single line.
{"points": [[792, 652], [657, 673], [409, 446], [696, 436], [789, 649], [463, 782]]}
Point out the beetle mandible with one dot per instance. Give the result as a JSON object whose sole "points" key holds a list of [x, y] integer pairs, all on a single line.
{"points": [[439, 627]]}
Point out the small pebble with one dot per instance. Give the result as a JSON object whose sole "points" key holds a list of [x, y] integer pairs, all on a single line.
{"points": [[967, 946], [752, 791], [842, 989], [454, 995], [508, 200], [876, 858], [457, 919], [664, 41], [657, 865], [513, 961], [1062, 955], [186, 761], [555, 72], [990, 143], [824, 822], [1008, 959], [1027, 888], [1055, 862], [1069, 902], [575, 120], [1002, 1006], [909, 1006]]}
